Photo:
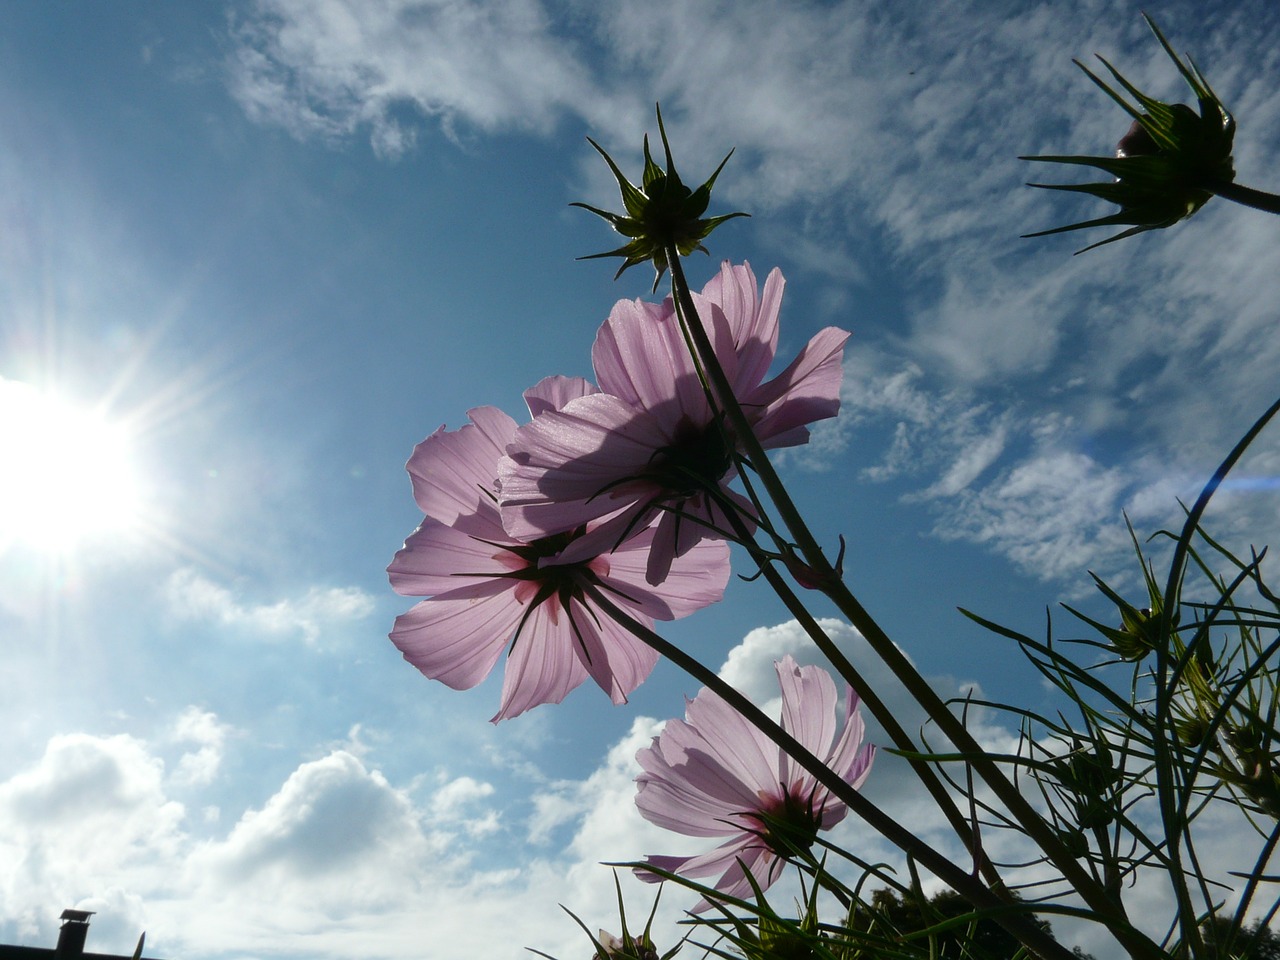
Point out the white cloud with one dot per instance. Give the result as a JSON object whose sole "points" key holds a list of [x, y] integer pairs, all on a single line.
{"points": [[203, 729], [894, 141], [91, 812], [334, 829], [340, 861], [194, 597], [452, 805], [330, 69]]}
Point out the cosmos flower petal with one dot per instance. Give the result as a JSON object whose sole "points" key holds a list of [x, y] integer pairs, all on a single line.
{"points": [[552, 393], [538, 669], [694, 580], [640, 356], [437, 558], [689, 793], [615, 658], [851, 758], [736, 744], [807, 391], [450, 470], [808, 712], [751, 318], [456, 638], [562, 468], [729, 860]]}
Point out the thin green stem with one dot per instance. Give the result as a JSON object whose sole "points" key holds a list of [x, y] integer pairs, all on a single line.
{"points": [[1166, 773], [964, 883], [1238, 193]]}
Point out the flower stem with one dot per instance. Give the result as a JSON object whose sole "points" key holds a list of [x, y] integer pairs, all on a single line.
{"points": [[1108, 910], [968, 886], [1248, 196]]}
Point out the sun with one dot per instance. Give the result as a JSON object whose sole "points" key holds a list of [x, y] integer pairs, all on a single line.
{"points": [[67, 473]]}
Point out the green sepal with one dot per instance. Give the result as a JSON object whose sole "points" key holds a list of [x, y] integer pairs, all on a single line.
{"points": [[1189, 154], [660, 213]]}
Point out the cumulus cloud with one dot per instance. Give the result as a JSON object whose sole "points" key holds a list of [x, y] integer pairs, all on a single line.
{"points": [[335, 829], [208, 735], [344, 861], [90, 812], [195, 597]]}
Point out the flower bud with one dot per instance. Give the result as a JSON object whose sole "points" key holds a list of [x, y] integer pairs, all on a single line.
{"points": [[1168, 162], [661, 212]]}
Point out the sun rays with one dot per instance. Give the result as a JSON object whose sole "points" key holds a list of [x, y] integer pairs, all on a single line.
{"points": [[68, 477]]}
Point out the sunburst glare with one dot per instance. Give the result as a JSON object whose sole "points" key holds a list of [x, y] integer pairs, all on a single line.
{"points": [[67, 474]]}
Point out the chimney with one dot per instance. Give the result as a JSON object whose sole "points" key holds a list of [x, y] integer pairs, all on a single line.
{"points": [[71, 936]]}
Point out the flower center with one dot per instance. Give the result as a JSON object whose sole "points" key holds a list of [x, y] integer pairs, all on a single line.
{"points": [[551, 579], [697, 460], [789, 825]]}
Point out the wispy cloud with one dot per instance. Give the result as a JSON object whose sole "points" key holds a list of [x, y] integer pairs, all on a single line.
{"points": [[891, 142], [195, 597], [330, 70]]}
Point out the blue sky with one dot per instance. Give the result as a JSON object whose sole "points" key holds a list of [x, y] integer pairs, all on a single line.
{"points": [[279, 243]]}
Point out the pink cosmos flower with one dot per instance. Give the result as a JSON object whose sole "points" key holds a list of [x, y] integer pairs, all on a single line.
{"points": [[648, 443], [485, 587], [716, 775]]}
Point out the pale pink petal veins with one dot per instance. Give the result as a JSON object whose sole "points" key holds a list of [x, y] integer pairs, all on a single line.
{"points": [[437, 559], [552, 393], [640, 356], [694, 581], [808, 714], [450, 470], [728, 859], [540, 667], [686, 788], [807, 391], [736, 744], [616, 659], [562, 468], [456, 638], [751, 317]]}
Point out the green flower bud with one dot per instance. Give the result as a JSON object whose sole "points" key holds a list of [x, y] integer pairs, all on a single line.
{"points": [[1167, 163], [662, 211]]}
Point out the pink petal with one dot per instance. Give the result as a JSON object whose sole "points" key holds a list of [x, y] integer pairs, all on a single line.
{"points": [[752, 319], [450, 470], [808, 713], [437, 559], [552, 393], [456, 638], [541, 668], [615, 658], [665, 797], [742, 750], [562, 469], [694, 580], [807, 391], [640, 357], [729, 860]]}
